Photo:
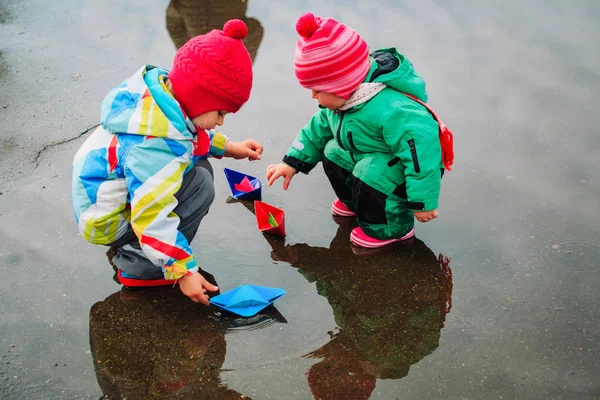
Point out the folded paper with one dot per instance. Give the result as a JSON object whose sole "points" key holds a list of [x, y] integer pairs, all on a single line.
{"points": [[270, 219], [243, 186], [247, 300]]}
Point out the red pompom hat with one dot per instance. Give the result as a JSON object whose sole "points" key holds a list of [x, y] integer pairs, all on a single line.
{"points": [[330, 56], [213, 72]]}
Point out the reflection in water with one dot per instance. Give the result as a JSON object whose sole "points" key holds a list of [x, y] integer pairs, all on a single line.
{"points": [[157, 344], [262, 320], [189, 18], [390, 306]]}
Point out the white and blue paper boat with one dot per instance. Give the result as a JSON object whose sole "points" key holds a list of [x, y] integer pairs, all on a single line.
{"points": [[247, 300], [243, 186]]}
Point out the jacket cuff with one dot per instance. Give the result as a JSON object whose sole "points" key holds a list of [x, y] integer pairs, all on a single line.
{"points": [[427, 205], [180, 268], [217, 145], [298, 164]]}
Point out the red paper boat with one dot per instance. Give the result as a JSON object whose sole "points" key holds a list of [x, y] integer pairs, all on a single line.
{"points": [[270, 219]]}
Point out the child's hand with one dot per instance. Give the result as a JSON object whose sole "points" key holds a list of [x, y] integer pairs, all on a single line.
{"points": [[426, 216], [274, 171], [250, 149], [195, 286]]}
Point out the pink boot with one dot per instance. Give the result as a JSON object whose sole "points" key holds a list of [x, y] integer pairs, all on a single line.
{"points": [[338, 208], [359, 238]]}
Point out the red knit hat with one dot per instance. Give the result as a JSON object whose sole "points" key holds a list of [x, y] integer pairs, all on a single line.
{"points": [[330, 56], [213, 72]]}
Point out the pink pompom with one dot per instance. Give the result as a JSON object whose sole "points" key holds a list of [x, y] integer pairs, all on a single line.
{"points": [[306, 25], [236, 29]]}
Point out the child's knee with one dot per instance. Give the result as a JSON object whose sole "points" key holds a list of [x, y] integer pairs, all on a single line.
{"points": [[334, 153], [206, 192], [205, 164], [196, 194], [331, 147], [375, 171]]}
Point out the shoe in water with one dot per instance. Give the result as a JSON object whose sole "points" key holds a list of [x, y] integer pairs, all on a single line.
{"points": [[359, 238], [338, 208]]}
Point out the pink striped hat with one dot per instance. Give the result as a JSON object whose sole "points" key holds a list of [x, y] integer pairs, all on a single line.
{"points": [[330, 56]]}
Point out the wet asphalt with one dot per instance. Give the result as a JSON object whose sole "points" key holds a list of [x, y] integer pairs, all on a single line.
{"points": [[498, 298]]}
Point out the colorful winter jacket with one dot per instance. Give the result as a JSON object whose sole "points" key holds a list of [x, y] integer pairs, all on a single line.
{"points": [[129, 169], [390, 123]]}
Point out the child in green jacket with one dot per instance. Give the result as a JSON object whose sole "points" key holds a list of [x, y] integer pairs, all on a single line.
{"points": [[383, 149]]}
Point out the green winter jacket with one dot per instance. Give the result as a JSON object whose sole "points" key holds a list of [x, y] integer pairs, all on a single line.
{"points": [[389, 123]]}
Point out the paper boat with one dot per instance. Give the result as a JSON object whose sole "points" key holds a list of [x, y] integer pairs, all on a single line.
{"points": [[243, 186], [270, 219], [247, 300]]}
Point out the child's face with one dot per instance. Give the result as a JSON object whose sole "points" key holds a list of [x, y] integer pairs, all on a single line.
{"points": [[210, 119], [328, 100]]}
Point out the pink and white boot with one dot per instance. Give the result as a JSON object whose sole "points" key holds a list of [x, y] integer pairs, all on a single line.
{"points": [[338, 208], [359, 238]]}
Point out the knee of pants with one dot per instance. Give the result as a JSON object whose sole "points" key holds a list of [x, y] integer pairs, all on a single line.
{"points": [[196, 194], [331, 147], [206, 188], [342, 158], [375, 193], [206, 165], [375, 172]]}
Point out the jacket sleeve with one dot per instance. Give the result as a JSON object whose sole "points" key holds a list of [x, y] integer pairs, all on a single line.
{"points": [[307, 150], [217, 144], [413, 137], [154, 174]]}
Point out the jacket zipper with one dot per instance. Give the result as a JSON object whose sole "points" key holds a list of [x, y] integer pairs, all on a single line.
{"points": [[413, 153], [339, 138], [351, 141]]}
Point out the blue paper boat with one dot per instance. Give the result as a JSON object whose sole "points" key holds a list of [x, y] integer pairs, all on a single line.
{"points": [[235, 178], [247, 300]]}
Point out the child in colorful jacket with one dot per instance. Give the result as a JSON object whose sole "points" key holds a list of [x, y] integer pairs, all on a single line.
{"points": [[141, 181], [383, 149]]}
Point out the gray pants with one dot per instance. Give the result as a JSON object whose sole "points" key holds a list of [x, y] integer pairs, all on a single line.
{"points": [[194, 198]]}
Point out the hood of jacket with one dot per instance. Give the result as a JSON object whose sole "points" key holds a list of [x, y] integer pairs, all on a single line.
{"points": [[142, 105], [397, 72]]}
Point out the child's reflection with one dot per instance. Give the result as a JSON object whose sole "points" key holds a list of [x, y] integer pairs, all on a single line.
{"points": [[189, 18], [390, 307], [157, 344]]}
